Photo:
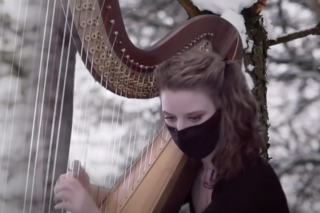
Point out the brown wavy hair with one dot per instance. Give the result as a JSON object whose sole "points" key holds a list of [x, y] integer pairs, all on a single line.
{"points": [[240, 134]]}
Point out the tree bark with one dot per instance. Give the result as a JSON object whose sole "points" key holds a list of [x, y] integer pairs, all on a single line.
{"points": [[257, 57]]}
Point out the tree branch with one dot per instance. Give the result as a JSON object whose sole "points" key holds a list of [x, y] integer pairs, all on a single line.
{"points": [[191, 9], [258, 7], [301, 34]]}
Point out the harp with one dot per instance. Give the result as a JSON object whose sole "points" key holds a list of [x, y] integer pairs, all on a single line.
{"points": [[122, 68]]}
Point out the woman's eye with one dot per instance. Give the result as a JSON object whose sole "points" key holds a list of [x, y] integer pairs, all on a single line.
{"points": [[196, 118], [168, 118]]}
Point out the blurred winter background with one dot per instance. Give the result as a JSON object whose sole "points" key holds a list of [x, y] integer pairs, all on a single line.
{"points": [[108, 131]]}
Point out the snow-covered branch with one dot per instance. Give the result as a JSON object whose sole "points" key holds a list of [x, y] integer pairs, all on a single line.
{"points": [[194, 7], [258, 7], [293, 36], [190, 8]]}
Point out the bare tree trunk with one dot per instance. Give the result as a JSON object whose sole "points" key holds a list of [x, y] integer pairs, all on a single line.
{"points": [[257, 57]]}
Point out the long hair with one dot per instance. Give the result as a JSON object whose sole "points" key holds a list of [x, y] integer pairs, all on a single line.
{"points": [[240, 133]]}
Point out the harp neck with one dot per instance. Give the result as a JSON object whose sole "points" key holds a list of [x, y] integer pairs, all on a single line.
{"points": [[126, 70]]}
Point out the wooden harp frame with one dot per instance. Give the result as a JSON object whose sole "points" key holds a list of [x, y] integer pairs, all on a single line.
{"points": [[106, 50]]}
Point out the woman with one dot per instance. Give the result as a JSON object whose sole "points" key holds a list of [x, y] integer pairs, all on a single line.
{"points": [[212, 118]]}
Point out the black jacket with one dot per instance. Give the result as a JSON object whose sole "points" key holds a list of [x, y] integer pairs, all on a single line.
{"points": [[256, 190]]}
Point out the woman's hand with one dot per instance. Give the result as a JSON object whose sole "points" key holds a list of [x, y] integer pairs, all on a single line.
{"points": [[79, 173], [72, 192]]}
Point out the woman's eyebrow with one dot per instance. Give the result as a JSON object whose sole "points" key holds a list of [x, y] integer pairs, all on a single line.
{"points": [[196, 112], [165, 112], [190, 113]]}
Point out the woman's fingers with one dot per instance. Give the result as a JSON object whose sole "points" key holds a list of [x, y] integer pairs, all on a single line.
{"points": [[70, 195], [66, 190], [74, 182], [79, 170], [69, 184], [64, 205], [63, 196], [77, 167], [62, 178], [65, 176], [81, 175], [62, 187]]}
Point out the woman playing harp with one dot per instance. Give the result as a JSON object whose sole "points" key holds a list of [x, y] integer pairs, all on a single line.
{"points": [[207, 108], [212, 117]]}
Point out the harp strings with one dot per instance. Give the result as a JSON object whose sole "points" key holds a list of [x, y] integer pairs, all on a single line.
{"points": [[8, 104], [54, 123], [14, 105], [11, 82], [62, 53], [133, 134], [44, 69], [35, 108], [39, 109], [36, 137]]}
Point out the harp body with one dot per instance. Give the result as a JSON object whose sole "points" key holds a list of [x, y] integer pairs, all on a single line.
{"points": [[161, 178], [158, 181]]}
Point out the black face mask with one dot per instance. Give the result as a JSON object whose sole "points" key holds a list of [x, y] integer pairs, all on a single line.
{"points": [[198, 141]]}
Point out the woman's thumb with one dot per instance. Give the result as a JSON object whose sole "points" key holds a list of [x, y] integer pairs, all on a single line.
{"points": [[80, 171], [77, 166]]}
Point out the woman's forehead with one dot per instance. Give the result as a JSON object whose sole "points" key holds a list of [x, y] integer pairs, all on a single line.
{"points": [[185, 101]]}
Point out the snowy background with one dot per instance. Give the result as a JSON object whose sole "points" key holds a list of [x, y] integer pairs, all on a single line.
{"points": [[109, 131]]}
